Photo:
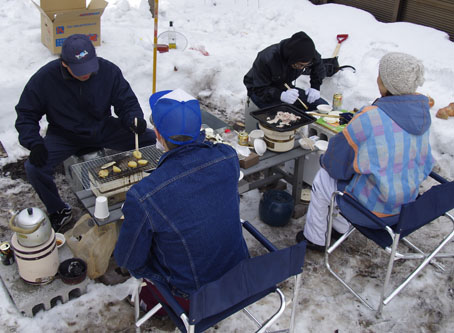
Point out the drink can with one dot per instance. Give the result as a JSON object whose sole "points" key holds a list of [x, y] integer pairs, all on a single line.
{"points": [[6, 253], [337, 102], [243, 138]]}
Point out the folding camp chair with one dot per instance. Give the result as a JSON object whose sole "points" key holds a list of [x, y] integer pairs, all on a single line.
{"points": [[435, 202], [249, 281]]}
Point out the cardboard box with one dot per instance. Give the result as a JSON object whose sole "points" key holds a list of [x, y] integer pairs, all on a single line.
{"points": [[63, 18], [249, 161]]}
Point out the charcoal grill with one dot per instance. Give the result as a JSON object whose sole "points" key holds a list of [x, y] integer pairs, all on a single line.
{"points": [[87, 172]]}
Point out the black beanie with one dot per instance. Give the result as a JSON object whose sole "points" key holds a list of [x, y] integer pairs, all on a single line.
{"points": [[299, 48]]}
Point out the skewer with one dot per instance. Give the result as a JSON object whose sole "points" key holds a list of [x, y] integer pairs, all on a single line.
{"points": [[299, 100], [136, 135], [323, 115]]}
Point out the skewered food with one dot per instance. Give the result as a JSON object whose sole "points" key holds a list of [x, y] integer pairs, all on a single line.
{"points": [[132, 164], [142, 162], [137, 154], [103, 173], [116, 169], [107, 165]]}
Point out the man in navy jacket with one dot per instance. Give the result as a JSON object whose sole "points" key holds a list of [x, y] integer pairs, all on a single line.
{"points": [[75, 93]]}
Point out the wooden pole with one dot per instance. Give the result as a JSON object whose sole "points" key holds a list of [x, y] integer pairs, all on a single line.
{"points": [[155, 43]]}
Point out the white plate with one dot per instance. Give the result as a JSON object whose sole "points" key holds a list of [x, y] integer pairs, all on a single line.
{"points": [[332, 120], [241, 175], [324, 108], [321, 145]]}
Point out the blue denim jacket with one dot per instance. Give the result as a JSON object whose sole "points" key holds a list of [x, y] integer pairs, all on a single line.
{"points": [[182, 222]]}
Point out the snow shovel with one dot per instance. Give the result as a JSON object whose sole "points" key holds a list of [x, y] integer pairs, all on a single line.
{"points": [[340, 39], [3, 152]]}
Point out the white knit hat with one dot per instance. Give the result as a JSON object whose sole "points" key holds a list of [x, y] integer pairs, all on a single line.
{"points": [[401, 73]]}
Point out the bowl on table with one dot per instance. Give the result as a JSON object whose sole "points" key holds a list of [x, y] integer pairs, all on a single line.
{"points": [[324, 108]]}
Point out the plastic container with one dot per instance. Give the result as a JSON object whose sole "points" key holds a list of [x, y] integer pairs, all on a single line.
{"points": [[276, 208], [229, 136], [172, 36]]}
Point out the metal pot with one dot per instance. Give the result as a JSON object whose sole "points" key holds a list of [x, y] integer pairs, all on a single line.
{"points": [[32, 226]]}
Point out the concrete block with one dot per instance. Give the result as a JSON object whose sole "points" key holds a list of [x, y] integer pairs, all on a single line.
{"points": [[30, 299]]}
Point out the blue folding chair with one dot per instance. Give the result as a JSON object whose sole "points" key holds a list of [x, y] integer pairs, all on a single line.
{"points": [[246, 283], [387, 234]]}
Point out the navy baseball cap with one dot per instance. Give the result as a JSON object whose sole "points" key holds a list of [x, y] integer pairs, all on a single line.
{"points": [[175, 112], [79, 54]]}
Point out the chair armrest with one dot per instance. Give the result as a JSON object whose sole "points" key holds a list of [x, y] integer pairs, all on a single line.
{"points": [[257, 235], [437, 177], [167, 295], [363, 210]]}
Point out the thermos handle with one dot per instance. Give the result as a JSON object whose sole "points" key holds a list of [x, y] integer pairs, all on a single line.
{"points": [[22, 230]]}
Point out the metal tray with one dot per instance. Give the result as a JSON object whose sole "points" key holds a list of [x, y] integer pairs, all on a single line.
{"points": [[270, 112]]}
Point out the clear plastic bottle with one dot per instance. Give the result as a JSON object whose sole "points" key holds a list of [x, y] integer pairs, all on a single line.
{"points": [[172, 36], [230, 136]]}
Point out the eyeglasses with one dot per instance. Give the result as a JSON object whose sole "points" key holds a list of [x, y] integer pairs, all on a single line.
{"points": [[301, 65]]}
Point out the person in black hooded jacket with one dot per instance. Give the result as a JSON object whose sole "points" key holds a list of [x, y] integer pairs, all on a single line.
{"points": [[281, 64]]}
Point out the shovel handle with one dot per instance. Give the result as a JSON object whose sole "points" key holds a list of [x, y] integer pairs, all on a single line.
{"points": [[336, 50], [340, 38]]}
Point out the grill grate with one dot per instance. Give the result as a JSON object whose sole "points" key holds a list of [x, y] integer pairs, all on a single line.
{"points": [[87, 172]]}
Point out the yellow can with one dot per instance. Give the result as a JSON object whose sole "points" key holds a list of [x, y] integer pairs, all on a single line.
{"points": [[243, 138]]}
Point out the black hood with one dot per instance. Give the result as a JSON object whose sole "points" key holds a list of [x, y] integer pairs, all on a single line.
{"points": [[298, 48]]}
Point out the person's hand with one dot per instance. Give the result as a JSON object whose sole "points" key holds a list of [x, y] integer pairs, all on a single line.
{"points": [[345, 118], [38, 155], [141, 126], [312, 95], [290, 96]]}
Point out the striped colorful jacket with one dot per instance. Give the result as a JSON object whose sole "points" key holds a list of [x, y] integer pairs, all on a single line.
{"points": [[384, 153]]}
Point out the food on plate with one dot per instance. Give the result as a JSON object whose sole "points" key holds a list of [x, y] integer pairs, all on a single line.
{"points": [[137, 154], [108, 165], [446, 112], [331, 120], [142, 162], [103, 173], [283, 119], [116, 169], [132, 164]]}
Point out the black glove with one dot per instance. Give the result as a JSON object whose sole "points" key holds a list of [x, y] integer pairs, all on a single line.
{"points": [[141, 126], [38, 155], [345, 118]]}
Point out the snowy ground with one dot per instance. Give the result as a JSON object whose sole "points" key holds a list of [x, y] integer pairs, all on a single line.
{"points": [[233, 31]]}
